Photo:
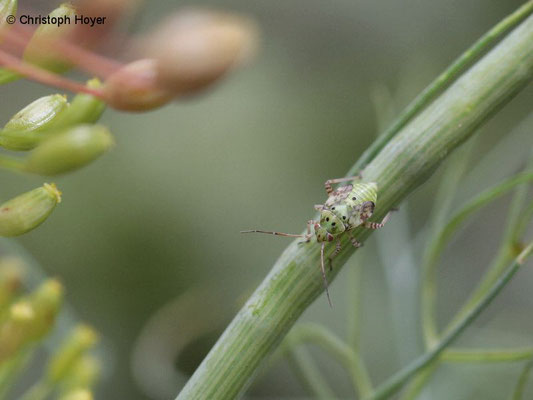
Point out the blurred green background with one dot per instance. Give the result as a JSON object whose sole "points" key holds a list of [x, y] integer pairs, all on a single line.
{"points": [[159, 216]]}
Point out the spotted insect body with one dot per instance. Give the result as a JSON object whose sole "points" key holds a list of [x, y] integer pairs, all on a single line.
{"points": [[345, 209]]}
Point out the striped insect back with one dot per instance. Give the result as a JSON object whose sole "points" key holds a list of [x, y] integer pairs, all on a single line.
{"points": [[345, 209]]}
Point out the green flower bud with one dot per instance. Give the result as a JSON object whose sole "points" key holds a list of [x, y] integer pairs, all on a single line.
{"points": [[41, 51], [83, 374], [14, 329], [28, 211], [24, 130], [11, 274], [79, 394], [70, 353], [30, 319], [46, 303], [84, 109], [69, 150]]}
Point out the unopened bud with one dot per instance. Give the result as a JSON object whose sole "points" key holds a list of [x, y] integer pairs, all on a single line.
{"points": [[69, 150], [78, 394], [135, 87], [71, 351], [14, 329], [11, 274], [24, 130], [83, 374], [196, 47], [28, 211], [46, 303], [83, 109], [41, 51]]}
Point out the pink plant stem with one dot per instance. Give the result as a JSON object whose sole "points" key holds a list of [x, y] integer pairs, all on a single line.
{"points": [[86, 60], [42, 76]]}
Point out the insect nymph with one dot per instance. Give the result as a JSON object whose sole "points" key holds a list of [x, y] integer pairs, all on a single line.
{"points": [[345, 209]]}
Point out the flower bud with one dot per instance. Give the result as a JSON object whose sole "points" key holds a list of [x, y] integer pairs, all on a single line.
{"points": [[83, 374], [196, 47], [70, 353], [11, 274], [30, 319], [135, 87], [83, 109], [78, 394], [24, 130], [14, 329], [41, 51], [46, 303], [28, 211], [68, 150]]}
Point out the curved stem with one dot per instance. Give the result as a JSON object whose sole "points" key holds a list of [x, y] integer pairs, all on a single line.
{"points": [[518, 392], [305, 368], [339, 349], [439, 213], [42, 76], [437, 245], [393, 384]]}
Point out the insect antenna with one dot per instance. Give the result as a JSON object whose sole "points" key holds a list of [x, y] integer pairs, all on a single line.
{"points": [[273, 233], [324, 273]]}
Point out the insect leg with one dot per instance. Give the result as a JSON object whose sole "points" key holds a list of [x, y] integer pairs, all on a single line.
{"points": [[355, 242], [330, 182], [309, 234], [377, 225], [324, 273], [334, 254]]}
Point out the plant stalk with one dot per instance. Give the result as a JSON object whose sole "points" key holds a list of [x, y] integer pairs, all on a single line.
{"points": [[405, 163]]}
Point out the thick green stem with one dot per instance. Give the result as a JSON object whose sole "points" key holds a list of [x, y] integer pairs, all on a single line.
{"points": [[406, 162], [442, 81]]}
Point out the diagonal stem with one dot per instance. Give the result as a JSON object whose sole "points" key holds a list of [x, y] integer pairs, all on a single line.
{"points": [[393, 384]]}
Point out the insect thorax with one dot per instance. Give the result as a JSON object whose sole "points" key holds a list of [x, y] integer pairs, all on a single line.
{"points": [[353, 204]]}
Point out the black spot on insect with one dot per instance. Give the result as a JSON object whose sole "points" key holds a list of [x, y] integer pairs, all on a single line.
{"points": [[344, 217], [354, 198], [327, 219], [333, 223], [332, 208]]}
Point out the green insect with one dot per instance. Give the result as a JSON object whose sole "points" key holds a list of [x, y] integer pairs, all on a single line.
{"points": [[345, 209]]}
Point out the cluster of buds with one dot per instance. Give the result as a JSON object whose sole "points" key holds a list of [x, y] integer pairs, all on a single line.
{"points": [[25, 321], [187, 53]]}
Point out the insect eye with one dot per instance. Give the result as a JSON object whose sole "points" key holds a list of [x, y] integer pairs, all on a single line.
{"points": [[354, 198]]}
